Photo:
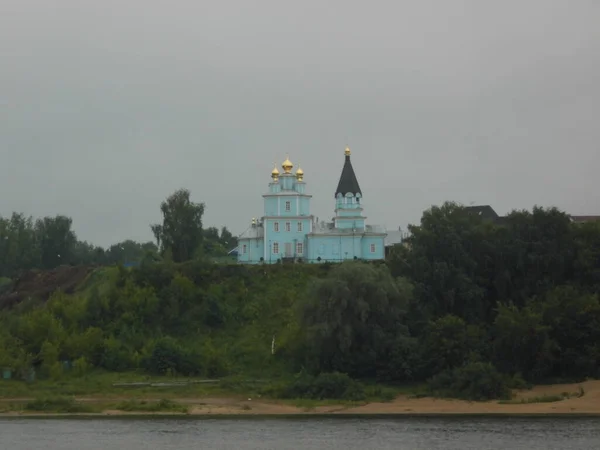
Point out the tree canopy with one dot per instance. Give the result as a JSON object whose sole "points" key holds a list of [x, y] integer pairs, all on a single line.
{"points": [[471, 306], [181, 230]]}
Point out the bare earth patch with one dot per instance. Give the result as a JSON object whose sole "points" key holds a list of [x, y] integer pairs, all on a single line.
{"points": [[589, 403]]}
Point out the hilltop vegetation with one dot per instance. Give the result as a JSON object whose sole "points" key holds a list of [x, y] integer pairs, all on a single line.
{"points": [[470, 307], [50, 242]]}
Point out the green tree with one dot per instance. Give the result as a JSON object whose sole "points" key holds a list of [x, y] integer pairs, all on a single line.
{"points": [[573, 318], [129, 251], [353, 317], [19, 249], [522, 344], [228, 240], [442, 264], [56, 240], [181, 230]]}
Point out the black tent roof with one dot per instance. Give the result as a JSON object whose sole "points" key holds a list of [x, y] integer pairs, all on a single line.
{"points": [[348, 182]]}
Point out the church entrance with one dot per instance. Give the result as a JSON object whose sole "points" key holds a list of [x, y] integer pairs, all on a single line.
{"points": [[288, 250]]}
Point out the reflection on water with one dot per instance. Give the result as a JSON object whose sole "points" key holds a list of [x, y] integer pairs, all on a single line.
{"points": [[401, 433]]}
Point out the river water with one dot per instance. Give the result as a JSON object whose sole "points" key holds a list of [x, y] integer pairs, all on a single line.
{"points": [[404, 433]]}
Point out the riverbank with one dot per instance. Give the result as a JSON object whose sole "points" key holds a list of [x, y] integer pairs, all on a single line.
{"points": [[561, 399]]}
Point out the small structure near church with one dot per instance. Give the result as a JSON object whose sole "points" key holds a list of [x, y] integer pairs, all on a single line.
{"points": [[288, 231]]}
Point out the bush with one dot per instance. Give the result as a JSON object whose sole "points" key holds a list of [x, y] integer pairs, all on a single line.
{"points": [[337, 386], [57, 405], [474, 381], [81, 366], [168, 356], [163, 405]]}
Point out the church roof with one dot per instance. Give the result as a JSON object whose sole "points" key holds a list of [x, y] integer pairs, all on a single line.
{"points": [[348, 182]]}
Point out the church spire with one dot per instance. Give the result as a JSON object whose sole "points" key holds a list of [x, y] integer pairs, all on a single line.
{"points": [[348, 182]]}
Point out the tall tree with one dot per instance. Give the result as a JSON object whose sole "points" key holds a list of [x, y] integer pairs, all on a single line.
{"points": [[228, 240], [56, 240], [128, 251], [181, 230], [352, 319]]}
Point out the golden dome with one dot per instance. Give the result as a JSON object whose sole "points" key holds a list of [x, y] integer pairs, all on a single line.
{"points": [[347, 151], [299, 174], [287, 165], [275, 173]]}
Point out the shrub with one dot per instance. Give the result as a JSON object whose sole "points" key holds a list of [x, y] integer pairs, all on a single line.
{"points": [[81, 366], [338, 386], [57, 405], [163, 405], [168, 356], [474, 381]]}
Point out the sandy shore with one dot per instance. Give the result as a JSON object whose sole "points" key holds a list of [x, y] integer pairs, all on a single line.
{"points": [[589, 403]]}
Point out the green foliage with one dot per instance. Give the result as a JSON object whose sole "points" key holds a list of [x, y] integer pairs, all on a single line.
{"points": [[49, 358], [5, 284], [57, 405], [474, 381], [522, 343], [162, 405], [81, 366], [168, 356], [335, 386], [352, 318], [181, 230], [474, 306]]}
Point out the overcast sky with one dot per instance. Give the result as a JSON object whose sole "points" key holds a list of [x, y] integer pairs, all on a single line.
{"points": [[107, 107]]}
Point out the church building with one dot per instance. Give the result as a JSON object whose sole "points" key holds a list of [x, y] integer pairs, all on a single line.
{"points": [[289, 232]]}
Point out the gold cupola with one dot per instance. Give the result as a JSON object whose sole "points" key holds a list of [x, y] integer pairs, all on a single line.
{"points": [[275, 174], [287, 165], [299, 174], [347, 151]]}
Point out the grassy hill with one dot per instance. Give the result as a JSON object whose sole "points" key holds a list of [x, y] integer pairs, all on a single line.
{"points": [[222, 319]]}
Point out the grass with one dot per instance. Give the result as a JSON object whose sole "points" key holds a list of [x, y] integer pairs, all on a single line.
{"points": [[58, 405], [101, 384], [163, 405], [98, 386], [545, 398]]}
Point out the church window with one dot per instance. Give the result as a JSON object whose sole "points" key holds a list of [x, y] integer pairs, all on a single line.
{"points": [[300, 248], [288, 206], [244, 248], [300, 227], [288, 226], [372, 248], [276, 226], [275, 248]]}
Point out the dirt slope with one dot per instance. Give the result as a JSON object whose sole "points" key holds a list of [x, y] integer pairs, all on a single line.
{"points": [[41, 284]]}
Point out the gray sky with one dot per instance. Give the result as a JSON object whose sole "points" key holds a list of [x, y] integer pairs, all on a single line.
{"points": [[107, 107]]}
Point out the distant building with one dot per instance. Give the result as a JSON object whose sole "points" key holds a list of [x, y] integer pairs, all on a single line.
{"points": [[584, 219], [486, 212], [288, 230], [393, 238]]}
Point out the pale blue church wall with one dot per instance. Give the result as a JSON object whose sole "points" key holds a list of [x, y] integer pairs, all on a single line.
{"points": [[334, 248], [378, 241], [319, 246], [278, 205], [348, 212], [287, 181], [305, 206], [282, 240], [250, 250], [270, 206], [348, 223]]}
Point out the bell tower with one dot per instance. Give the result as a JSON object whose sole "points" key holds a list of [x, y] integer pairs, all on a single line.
{"points": [[348, 198]]}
